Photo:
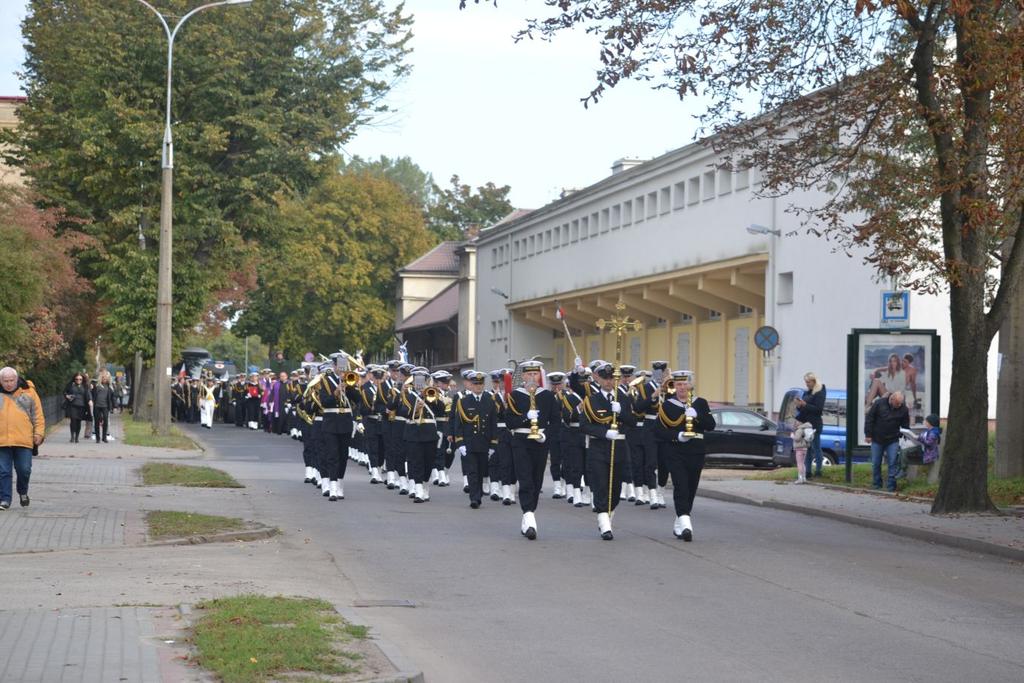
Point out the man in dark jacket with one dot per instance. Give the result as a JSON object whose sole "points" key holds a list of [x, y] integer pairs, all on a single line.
{"points": [[103, 406], [882, 425]]}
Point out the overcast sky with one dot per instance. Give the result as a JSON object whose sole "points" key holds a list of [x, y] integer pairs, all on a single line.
{"points": [[479, 105]]}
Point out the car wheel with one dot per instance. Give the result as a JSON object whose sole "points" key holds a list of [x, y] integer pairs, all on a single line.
{"points": [[828, 459]]}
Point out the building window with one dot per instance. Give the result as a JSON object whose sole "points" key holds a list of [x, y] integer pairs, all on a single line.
{"points": [[742, 179], [578, 227], [565, 232], [640, 213], [531, 250], [594, 220], [784, 291], [616, 218], [709, 186], [687, 318], [627, 213], [494, 330], [679, 201], [556, 238], [652, 204], [666, 200], [714, 315], [693, 190], [745, 311], [494, 257], [724, 181], [603, 224]]}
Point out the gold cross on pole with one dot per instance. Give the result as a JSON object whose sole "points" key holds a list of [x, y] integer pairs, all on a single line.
{"points": [[619, 325]]}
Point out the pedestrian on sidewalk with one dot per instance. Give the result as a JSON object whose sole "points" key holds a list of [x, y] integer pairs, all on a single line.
{"points": [[77, 397], [22, 428], [103, 404], [882, 425], [803, 437], [810, 407], [89, 384]]}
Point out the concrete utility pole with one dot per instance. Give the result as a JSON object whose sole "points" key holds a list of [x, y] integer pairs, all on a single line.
{"points": [[162, 399]]}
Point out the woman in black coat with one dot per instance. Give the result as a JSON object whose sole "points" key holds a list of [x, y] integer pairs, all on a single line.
{"points": [[809, 408], [77, 398]]}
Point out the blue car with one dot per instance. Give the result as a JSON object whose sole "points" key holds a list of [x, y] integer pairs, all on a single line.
{"points": [[833, 432]]}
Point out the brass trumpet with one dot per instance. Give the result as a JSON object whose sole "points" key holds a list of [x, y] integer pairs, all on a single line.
{"points": [[350, 378], [430, 394]]}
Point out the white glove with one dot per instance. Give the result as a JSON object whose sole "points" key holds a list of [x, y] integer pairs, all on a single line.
{"points": [[683, 439], [616, 407], [360, 428], [543, 438], [577, 364], [461, 451], [690, 412], [532, 414], [440, 439], [490, 452], [611, 434]]}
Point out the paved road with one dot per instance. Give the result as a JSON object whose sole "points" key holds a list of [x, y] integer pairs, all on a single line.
{"points": [[761, 594]]}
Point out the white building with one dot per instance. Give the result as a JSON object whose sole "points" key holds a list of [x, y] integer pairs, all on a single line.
{"points": [[669, 238]]}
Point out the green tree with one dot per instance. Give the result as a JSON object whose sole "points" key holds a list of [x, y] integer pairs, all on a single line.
{"points": [[905, 113], [461, 212], [330, 281], [402, 171], [261, 93]]}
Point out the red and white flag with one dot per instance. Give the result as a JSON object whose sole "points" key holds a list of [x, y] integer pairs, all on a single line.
{"points": [[559, 312]]}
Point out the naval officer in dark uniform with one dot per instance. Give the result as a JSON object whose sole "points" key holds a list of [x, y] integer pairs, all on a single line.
{"points": [[682, 422], [473, 420]]}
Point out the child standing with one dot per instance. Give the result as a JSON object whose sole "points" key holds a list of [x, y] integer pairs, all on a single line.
{"points": [[803, 436]]}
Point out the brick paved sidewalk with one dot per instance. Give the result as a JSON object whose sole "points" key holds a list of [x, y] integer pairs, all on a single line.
{"points": [[85, 644]]}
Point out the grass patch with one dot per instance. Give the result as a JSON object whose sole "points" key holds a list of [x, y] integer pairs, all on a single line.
{"points": [[169, 524], [1003, 492], [141, 434], [252, 638], [161, 473]]}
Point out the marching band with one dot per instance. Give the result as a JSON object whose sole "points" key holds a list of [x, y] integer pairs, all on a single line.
{"points": [[609, 433]]}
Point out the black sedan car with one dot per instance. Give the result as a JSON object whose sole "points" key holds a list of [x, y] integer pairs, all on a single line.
{"points": [[741, 437]]}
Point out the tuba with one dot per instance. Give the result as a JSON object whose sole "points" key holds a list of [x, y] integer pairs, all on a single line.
{"points": [[430, 394]]}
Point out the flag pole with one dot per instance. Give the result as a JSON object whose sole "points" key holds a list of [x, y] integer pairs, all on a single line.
{"points": [[561, 316]]}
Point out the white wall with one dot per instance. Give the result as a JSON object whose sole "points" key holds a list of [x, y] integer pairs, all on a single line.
{"points": [[832, 292]]}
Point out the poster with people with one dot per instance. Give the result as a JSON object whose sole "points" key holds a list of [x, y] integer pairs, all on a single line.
{"points": [[904, 362]]}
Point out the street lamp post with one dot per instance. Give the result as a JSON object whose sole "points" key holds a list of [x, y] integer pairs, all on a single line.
{"points": [[162, 403], [773, 234]]}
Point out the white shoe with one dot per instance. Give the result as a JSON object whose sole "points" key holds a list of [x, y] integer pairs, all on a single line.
{"points": [[412, 488], [604, 525], [465, 484], [559, 490], [341, 490], [418, 493], [447, 479], [309, 474], [374, 475], [570, 493], [677, 528], [433, 476], [622, 491], [403, 484], [687, 534], [316, 476], [325, 487], [426, 490], [529, 525], [630, 492], [587, 497]]}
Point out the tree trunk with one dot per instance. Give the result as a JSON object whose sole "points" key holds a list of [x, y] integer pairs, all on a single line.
{"points": [[963, 468], [144, 396], [1010, 404]]}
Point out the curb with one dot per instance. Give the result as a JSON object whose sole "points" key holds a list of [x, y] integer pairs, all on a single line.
{"points": [[970, 544], [405, 671], [247, 535]]}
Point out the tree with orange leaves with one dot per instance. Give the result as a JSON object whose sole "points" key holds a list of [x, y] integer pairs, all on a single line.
{"points": [[906, 112]]}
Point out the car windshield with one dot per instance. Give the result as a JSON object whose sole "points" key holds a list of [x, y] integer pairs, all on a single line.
{"points": [[735, 418]]}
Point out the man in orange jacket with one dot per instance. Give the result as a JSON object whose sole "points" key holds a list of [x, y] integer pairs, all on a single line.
{"points": [[22, 427]]}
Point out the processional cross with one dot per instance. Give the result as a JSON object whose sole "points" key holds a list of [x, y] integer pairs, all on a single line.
{"points": [[619, 325]]}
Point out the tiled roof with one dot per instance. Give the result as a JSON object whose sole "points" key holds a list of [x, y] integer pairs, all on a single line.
{"points": [[440, 259], [440, 309]]}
